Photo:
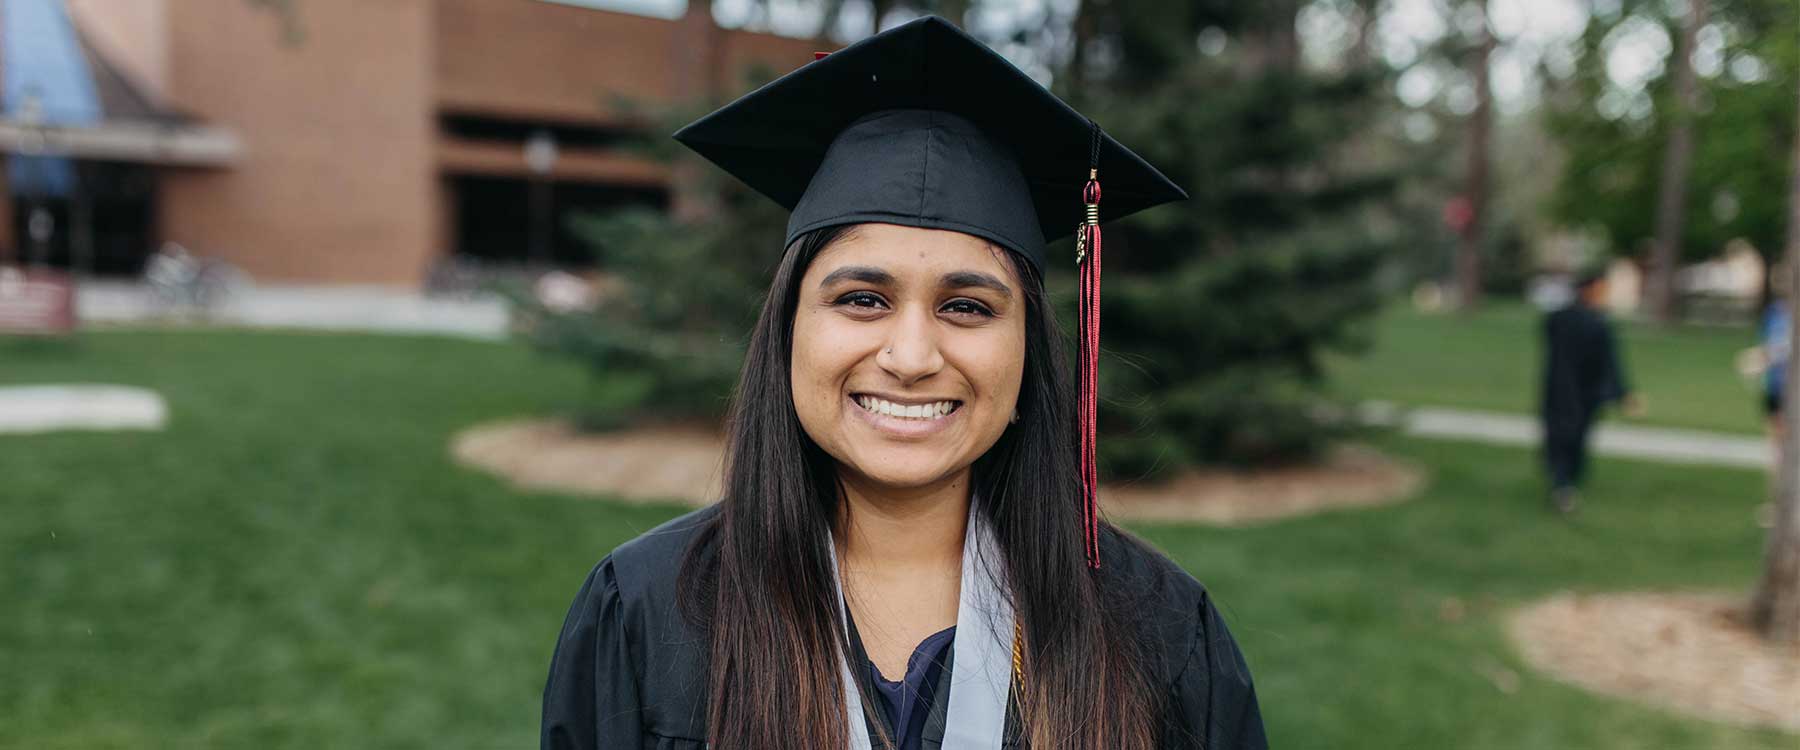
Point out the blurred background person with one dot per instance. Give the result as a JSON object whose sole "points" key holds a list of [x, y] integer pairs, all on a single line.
{"points": [[1775, 351], [1771, 356], [1582, 373]]}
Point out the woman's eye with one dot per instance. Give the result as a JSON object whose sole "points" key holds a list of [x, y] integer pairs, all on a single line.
{"points": [[967, 307], [862, 299]]}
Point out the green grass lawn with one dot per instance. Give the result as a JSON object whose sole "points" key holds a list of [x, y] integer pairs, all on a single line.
{"points": [[1491, 361], [296, 563]]}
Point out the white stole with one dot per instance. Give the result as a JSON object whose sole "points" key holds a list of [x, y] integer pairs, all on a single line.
{"points": [[981, 671]]}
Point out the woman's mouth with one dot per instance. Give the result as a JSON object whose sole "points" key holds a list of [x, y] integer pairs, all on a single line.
{"points": [[906, 421], [886, 408]]}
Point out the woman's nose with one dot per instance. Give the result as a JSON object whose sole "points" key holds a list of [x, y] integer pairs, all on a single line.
{"points": [[911, 353]]}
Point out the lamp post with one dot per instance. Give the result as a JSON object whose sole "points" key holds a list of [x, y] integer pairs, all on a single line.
{"points": [[36, 300], [540, 158], [40, 224]]}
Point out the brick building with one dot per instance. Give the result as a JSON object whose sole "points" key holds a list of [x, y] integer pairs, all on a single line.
{"points": [[340, 141]]}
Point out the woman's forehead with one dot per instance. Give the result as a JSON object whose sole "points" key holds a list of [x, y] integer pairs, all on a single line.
{"points": [[901, 249]]}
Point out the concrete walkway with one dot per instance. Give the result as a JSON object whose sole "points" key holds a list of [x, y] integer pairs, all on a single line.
{"points": [[49, 408], [333, 308], [1611, 439]]}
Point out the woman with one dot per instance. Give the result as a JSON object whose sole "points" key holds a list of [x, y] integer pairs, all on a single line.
{"points": [[906, 554]]}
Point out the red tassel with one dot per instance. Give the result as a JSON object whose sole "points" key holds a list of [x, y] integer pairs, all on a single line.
{"points": [[1087, 259]]}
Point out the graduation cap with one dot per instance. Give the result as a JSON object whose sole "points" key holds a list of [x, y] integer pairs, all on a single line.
{"points": [[924, 126]]}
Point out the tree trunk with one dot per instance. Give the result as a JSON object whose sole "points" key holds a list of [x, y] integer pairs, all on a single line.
{"points": [[1776, 607], [1074, 75], [696, 60], [697, 64], [829, 12], [1362, 53], [1269, 39], [1671, 197], [1468, 254], [955, 10], [1284, 37], [879, 8]]}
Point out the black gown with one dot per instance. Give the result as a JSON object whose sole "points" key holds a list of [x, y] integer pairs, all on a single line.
{"points": [[1581, 374], [628, 672]]}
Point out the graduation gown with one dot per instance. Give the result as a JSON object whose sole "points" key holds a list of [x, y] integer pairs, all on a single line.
{"points": [[628, 671], [1581, 374], [1581, 369]]}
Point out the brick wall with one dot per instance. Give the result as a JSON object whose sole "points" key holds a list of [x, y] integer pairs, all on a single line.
{"points": [[337, 183], [341, 180]]}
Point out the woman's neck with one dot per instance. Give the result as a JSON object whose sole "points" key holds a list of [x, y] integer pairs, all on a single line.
{"points": [[908, 529]]}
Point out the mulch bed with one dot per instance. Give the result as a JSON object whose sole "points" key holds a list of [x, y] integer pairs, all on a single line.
{"points": [[683, 463], [1691, 653]]}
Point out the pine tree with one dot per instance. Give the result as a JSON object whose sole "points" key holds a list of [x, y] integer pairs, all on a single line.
{"points": [[1217, 312]]}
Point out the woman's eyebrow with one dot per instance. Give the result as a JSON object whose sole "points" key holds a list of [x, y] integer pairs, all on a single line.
{"points": [[961, 279], [865, 274]]}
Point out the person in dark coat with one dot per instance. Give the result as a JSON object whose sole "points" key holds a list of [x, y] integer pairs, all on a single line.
{"points": [[907, 552], [1582, 374]]}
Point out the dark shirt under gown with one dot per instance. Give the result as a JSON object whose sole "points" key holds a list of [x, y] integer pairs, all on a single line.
{"points": [[906, 703]]}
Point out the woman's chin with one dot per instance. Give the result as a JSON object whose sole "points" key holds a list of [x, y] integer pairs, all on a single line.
{"points": [[885, 469]]}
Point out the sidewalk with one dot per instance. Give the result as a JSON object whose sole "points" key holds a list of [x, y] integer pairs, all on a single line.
{"points": [[49, 408], [335, 308], [1610, 438]]}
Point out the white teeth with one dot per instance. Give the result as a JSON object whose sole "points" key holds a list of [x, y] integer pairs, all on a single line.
{"points": [[933, 410]]}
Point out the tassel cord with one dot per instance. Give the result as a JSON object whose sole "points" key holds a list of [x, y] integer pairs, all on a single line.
{"points": [[1088, 252]]}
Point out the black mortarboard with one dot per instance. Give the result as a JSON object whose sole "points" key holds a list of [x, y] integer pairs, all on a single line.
{"points": [[924, 126]]}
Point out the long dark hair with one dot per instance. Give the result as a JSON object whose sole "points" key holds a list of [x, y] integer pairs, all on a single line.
{"points": [[758, 579]]}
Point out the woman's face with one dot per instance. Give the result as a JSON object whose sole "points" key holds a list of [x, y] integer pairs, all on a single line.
{"points": [[909, 347]]}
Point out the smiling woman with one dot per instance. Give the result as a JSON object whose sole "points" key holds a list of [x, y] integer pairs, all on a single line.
{"points": [[908, 356], [906, 554]]}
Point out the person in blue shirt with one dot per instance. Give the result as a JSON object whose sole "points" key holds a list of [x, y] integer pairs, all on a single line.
{"points": [[1775, 354], [1777, 341]]}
